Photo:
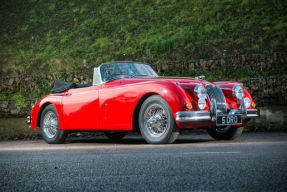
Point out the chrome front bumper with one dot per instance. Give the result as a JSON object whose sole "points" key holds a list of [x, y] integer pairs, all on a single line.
{"points": [[210, 115]]}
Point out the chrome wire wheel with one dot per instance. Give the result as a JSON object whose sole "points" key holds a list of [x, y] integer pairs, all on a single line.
{"points": [[50, 124], [222, 130], [155, 120]]}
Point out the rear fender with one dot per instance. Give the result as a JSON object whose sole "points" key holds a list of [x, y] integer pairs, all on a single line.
{"points": [[55, 100]]}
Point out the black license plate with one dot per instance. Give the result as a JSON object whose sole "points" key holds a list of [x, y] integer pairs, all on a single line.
{"points": [[228, 119]]}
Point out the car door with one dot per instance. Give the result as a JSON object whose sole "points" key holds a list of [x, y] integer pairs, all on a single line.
{"points": [[81, 108], [117, 104]]}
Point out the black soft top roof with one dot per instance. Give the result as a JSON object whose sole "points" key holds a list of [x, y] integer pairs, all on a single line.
{"points": [[60, 86]]}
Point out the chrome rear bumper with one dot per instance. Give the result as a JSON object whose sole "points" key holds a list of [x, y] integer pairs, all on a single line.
{"points": [[28, 120], [210, 115]]}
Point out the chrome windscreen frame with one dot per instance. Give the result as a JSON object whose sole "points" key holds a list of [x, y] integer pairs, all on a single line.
{"points": [[97, 78]]}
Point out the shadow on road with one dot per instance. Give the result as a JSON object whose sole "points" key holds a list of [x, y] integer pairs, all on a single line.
{"points": [[135, 141]]}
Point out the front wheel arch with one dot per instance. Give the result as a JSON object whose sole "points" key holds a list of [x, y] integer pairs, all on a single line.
{"points": [[40, 113], [137, 111], [155, 133]]}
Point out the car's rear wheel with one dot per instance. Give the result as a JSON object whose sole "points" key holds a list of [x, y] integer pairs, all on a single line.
{"points": [[156, 121], [115, 135], [225, 133], [50, 126]]}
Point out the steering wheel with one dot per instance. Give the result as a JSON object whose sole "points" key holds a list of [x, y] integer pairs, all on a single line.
{"points": [[109, 77]]}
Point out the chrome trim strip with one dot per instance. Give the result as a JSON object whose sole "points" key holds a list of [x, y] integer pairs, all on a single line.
{"points": [[187, 113]]}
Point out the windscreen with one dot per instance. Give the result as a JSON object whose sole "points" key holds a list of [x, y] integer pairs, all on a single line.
{"points": [[119, 70]]}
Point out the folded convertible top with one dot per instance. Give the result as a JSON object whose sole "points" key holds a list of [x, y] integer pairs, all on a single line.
{"points": [[61, 86]]}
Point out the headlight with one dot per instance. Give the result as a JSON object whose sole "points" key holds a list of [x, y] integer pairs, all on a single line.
{"points": [[200, 91], [238, 91], [247, 102], [201, 103]]}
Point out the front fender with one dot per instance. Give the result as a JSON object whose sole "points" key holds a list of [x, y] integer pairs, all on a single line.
{"points": [[117, 104], [174, 94], [231, 100]]}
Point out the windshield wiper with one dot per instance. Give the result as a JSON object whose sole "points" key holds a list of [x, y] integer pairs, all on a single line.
{"points": [[141, 75]]}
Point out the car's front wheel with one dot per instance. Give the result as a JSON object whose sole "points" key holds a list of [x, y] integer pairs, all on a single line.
{"points": [[156, 121], [225, 132], [50, 126]]}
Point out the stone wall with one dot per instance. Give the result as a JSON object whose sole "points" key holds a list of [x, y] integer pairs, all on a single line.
{"points": [[39, 85], [257, 63], [270, 91], [8, 108]]}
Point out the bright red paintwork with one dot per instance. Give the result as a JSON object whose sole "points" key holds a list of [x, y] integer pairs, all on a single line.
{"points": [[111, 106]]}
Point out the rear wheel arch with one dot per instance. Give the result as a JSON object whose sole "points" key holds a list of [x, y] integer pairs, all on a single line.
{"points": [[40, 113], [137, 110]]}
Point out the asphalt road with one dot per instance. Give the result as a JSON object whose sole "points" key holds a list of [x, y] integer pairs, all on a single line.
{"points": [[253, 162]]}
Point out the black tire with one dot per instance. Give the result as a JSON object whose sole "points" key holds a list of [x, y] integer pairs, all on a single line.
{"points": [[115, 135], [232, 133], [162, 118], [52, 135]]}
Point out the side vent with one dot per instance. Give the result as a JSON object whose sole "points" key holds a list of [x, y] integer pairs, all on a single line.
{"points": [[106, 111]]}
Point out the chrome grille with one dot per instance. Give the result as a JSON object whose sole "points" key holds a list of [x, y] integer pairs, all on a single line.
{"points": [[216, 93]]}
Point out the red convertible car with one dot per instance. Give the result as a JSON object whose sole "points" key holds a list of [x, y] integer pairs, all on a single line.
{"points": [[129, 96]]}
